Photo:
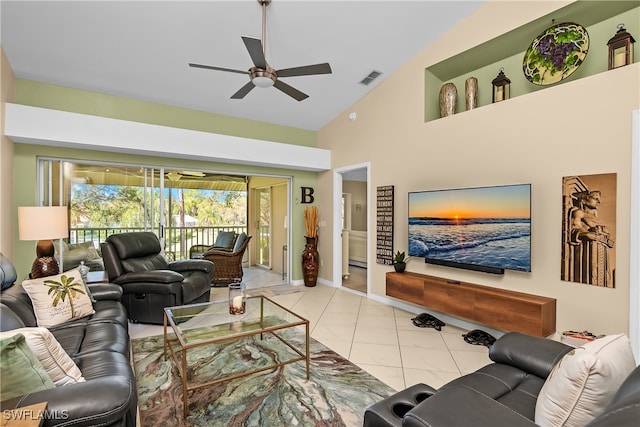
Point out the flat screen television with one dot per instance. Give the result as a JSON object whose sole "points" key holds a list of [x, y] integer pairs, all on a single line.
{"points": [[484, 229]]}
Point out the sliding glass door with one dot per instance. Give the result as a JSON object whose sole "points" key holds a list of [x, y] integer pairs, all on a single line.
{"points": [[263, 248], [184, 208]]}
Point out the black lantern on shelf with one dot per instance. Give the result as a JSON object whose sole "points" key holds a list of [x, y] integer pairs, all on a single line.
{"points": [[620, 48], [501, 87]]}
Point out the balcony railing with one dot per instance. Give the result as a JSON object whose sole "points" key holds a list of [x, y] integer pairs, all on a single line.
{"points": [[177, 240]]}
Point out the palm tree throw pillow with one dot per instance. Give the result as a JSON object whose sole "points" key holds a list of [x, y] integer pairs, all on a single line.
{"points": [[58, 299]]}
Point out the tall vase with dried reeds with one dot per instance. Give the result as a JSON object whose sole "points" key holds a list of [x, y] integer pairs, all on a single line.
{"points": [[310, 256]]}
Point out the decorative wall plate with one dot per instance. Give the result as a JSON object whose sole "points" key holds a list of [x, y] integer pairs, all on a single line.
{"points": [[556, 53]]}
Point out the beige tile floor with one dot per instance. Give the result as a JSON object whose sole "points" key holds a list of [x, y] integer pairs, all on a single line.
{"points": [[379, 338]]}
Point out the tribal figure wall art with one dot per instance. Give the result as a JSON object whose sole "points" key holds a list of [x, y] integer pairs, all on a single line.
{"points": [[589, 229]]}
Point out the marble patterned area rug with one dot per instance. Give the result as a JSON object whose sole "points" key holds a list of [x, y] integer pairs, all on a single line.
{"points": [[337, 393]]}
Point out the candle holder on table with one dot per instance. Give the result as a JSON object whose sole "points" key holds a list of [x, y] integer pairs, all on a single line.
{"points": [[237, 298]]}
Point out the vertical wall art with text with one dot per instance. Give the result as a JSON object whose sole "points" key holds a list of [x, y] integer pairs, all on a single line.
{"points": [[589, 229], [384, 225]]}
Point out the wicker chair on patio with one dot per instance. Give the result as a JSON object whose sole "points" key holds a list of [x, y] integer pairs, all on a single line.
{"points": [[225, 241], [227, 265]]}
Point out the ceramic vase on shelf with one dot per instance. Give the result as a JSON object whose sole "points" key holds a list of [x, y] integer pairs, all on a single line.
{"points": [[448, 99], [471, 93], [310, 261]]}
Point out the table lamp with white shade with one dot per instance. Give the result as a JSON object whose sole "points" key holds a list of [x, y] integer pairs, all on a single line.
{"points": [[43, 223]]}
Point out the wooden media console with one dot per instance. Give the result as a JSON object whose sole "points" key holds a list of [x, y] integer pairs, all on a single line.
{"points": [[497, 308]]}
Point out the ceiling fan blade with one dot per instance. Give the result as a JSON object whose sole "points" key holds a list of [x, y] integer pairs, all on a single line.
{"points": [[306, 70], [291, 91], [244, 90], [254, 46], [211, 67]]}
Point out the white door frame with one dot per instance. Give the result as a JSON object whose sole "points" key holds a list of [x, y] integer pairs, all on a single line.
{"points": [[634, 252], [337, 220]]}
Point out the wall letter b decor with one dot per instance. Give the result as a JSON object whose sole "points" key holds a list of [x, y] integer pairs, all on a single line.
{"points": [[307, 195]]}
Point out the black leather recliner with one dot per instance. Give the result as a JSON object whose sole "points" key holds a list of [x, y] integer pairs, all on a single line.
{"points": [[501, 394], [150, 283]]}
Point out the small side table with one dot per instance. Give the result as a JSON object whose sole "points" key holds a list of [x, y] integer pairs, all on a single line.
{"points": [[97, 277]]}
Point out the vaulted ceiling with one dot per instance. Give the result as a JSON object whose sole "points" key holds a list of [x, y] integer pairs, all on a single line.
{"points": [[141, 49]]}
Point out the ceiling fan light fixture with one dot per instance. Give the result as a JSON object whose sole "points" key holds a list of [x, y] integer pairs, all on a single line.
{"points": [[261, 74], [262, 78], [263, 82]]}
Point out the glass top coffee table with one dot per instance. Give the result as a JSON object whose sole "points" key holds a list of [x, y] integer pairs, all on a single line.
{"points": [[193, 333]]}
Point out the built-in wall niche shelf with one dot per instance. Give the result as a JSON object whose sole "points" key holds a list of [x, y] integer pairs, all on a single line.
{"points": [[484, 61]]}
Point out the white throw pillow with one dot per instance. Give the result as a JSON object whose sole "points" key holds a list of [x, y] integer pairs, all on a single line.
{"points": [[584, 382], [50, 353], [57, 299]]}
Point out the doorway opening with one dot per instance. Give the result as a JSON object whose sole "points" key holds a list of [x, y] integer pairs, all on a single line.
{"points": [[270, 200], [351, 222]]}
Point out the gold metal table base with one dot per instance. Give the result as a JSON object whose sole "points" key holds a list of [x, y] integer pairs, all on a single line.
{"points": [[179, 355]]}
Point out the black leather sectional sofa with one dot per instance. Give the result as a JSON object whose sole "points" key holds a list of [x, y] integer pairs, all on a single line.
{"points": [[98, 344], [503, 393]]}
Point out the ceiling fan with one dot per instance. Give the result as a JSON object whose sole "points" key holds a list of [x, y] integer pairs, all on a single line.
{"points": [[261, 74]]}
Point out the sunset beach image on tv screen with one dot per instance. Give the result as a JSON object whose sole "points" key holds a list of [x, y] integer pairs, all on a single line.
{"points": [[486, 226]]}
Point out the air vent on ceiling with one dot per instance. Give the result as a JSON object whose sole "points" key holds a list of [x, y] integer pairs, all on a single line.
{"points": [[371, 77]]}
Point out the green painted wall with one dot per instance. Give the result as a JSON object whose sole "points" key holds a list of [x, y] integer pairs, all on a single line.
{"points": [[37, 94], [73, 100]]}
